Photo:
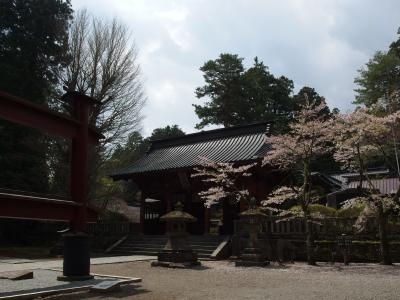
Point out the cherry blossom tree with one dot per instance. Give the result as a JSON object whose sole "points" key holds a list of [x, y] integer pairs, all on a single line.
{"points": [[380, 207], [283, 196], [224, 180], [360, 137], [307, 139]]}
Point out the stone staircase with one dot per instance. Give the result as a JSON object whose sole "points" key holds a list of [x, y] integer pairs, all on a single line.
{"points": [[152, 244]]}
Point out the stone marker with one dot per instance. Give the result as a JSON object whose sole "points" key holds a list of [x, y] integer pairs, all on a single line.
{"points": [[17, 275], [106, 286]]}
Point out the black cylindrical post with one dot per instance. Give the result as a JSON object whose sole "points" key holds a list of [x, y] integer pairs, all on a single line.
{"points": [[76, 264]]}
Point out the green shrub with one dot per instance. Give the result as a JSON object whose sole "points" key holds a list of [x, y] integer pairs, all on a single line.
{"points": [[317, 208], [323, 210], [352, 212]]}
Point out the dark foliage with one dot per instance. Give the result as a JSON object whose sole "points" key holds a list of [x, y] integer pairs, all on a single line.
{"points": [[33, 36]]}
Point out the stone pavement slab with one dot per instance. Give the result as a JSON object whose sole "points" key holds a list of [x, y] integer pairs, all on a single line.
{"points": [[11, 260], [57, 263], [16, 275], [45, 282]]}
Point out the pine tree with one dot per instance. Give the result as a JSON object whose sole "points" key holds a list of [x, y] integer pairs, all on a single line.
{"points": [[236, 96]]}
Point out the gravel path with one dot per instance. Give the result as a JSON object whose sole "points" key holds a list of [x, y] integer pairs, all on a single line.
{"points": [[221, 280]]}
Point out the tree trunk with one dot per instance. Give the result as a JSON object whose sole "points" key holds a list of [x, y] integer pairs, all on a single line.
{"points": [[384, 247], [310, 242], [361, 170], [304, 205]]}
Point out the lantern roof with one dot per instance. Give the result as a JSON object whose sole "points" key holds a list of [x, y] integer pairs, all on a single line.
{"points": [[253, 210], [178, 215]]}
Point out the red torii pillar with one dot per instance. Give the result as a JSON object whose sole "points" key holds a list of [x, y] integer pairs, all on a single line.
{"points": [[79, 159], [76, 243], [76, 265]]}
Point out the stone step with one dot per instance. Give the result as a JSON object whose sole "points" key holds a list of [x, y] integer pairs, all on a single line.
{"points": [[165, 238], [204, 246], [144, 243], [209, 248], [146, 253], [194, 243], [148, 240], [151, 247], [161, 240]]}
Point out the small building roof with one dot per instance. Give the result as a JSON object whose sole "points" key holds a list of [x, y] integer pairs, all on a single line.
{"points": [[385, 186], [346, 178], [234, 144], [343, 180]]}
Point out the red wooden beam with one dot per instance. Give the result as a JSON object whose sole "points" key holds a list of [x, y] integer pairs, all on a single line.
{"points": [[79, 160], [40, 208], [76, 248], [77, 129], [26, 113]]}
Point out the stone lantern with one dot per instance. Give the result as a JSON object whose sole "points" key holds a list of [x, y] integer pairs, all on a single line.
{"points": [[177, 252], [252, 219]]}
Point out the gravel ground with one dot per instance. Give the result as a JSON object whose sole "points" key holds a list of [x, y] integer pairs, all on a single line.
{"points": [[222, 280]]}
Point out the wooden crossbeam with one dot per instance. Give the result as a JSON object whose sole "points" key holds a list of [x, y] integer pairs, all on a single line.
{"points": [[39, 208], [29, 114]]}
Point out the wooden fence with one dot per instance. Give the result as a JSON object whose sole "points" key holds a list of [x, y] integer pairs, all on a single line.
{"points": [[325, 227], [113, 228]]}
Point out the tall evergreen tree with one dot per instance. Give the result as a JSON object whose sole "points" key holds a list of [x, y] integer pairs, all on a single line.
{"points": [[268, 98], [166, 133], [236, 96], [309, 94], [379, 81], [33, 37], [224, 88]]}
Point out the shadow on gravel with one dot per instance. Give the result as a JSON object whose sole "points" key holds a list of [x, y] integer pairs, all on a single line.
{"points": [[279, 267], [126, 292], [200, 268]]}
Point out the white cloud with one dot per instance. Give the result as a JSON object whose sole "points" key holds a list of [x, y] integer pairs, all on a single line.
{"points": [[177, 15], [316, 43]]}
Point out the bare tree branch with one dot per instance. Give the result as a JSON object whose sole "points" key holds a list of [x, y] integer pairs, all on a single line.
{"points": [[104, 66]]}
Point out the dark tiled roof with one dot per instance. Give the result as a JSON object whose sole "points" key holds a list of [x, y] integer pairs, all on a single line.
{"points": [[385, 186], [242, 143], [330, 181]]}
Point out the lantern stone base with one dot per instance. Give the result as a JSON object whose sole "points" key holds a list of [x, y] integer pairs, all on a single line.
{"points": [[176, 259], [251, 257]]}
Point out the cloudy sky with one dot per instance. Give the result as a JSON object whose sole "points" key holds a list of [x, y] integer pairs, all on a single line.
{"points": [[318, 43]]}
